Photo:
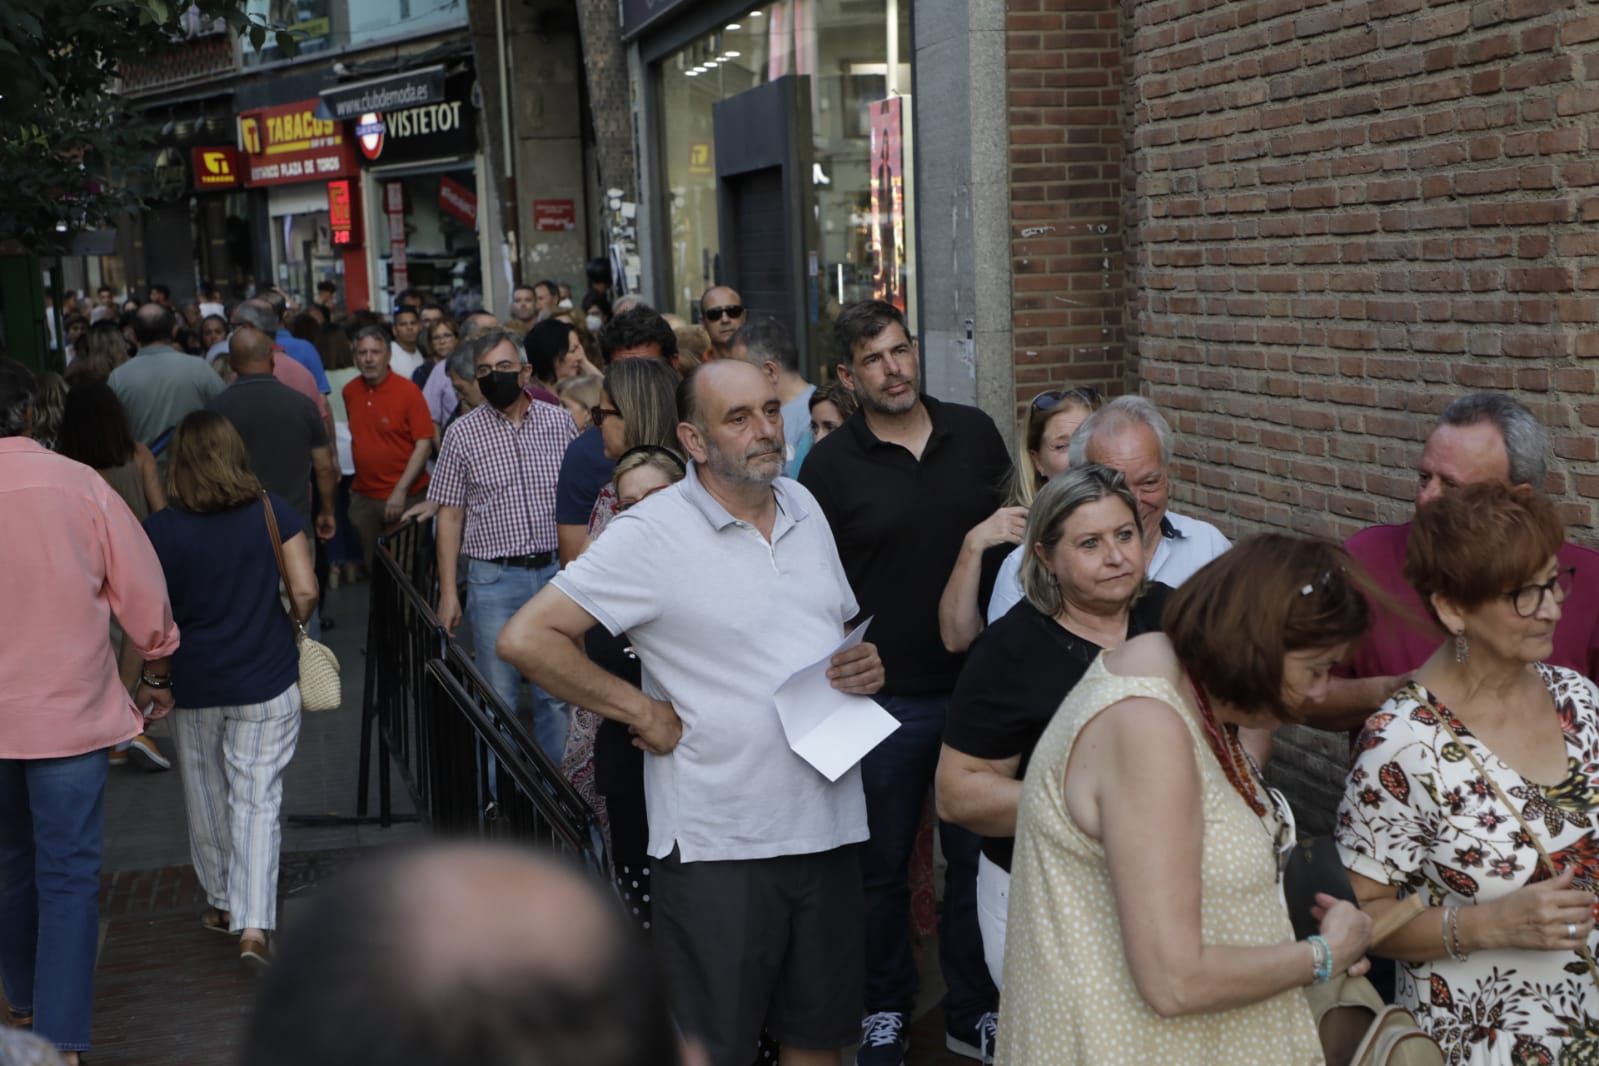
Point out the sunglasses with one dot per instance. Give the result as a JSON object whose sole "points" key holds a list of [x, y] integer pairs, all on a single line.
{"points": [[714, 314], [598, 414], [1086, 395]]}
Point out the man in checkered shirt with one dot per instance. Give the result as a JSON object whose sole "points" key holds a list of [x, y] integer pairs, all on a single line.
{"points": [[494, 483]]}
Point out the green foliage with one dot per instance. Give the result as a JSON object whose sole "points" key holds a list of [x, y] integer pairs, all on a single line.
{"points": [[72, 152]]}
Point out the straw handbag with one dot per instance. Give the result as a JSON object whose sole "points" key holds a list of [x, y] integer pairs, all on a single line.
{"points": [[1356, 1027], [319, 668]]}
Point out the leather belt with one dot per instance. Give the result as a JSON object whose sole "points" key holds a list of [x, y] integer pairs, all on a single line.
{"points": [[525, 562]]}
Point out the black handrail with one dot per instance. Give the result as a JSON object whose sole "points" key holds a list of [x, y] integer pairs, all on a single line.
{"points": [[437, 721]]}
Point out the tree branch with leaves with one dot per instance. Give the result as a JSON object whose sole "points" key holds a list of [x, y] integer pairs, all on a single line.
{"points": [[73, 152]]}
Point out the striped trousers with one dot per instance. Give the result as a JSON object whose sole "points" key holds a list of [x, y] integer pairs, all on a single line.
{"points": [[232, 760]]}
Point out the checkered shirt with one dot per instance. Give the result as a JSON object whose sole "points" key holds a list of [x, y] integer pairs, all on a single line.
{"points": [[504, 474]]}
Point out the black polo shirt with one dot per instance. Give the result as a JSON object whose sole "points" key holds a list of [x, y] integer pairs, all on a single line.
{"points": [[899, 523], [279, 427]]}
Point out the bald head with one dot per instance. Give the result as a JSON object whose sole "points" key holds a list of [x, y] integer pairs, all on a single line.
{"points": [[152, 324], [471, 910], [250, 351], [705, 394], [461, 952], [257, 313]]}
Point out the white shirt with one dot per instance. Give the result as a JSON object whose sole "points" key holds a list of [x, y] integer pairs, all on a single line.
{"points": [[1186, 544], [719, 618], [402, 362]]}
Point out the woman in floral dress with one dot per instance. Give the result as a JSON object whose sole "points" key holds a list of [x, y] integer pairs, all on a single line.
{"points": [[1495, 967]]}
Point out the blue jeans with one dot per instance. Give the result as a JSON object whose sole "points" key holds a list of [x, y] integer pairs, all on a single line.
{"points": [[493, 594], [896, 775], [52, 812]]}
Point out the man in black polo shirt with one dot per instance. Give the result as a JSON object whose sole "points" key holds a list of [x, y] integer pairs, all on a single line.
{"points": [[901, 483], [282, 430]]}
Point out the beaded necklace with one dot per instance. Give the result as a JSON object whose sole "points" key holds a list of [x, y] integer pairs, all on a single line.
{"points": [[1229, 751]]}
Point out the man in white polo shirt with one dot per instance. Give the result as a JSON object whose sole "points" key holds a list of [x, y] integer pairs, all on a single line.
{"points": [[1131, 437], [758, 911]]}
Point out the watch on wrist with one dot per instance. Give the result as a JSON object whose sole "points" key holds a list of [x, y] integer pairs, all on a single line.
{"points": [[155, 680]]}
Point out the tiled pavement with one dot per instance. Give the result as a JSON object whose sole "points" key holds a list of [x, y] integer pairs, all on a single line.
{"points": [[167, 991], [170, 993]]}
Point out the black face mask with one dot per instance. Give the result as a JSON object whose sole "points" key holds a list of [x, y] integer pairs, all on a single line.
{"points": [[501, 387]]}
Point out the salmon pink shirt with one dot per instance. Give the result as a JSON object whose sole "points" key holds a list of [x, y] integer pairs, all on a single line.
{"points": [[71, 556]]}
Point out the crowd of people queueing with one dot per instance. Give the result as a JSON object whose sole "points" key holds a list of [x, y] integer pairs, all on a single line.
{"points": [[646, 535]]}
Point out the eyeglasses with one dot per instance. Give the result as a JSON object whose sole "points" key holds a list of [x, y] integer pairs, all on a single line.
{"points": [[502, 367], [598, 414], [714, 314], [1528, 600], [1086, 395]]}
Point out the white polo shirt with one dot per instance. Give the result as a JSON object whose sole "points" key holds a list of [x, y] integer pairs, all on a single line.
{"points": [[719, 618], [1186, 544]]}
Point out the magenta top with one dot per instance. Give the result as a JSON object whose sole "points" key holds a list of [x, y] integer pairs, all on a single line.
{"points": [[1394, 646]]}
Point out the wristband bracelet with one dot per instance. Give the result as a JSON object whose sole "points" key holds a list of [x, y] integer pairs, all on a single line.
{"points": [[156, 680], [1322, 956], [1452, 932]]}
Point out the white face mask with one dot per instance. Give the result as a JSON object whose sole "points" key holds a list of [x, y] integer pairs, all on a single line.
{"points": [[594, 323]]}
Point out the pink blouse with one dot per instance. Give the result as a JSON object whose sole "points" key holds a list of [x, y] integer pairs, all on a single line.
{"points": [[71, 556]]}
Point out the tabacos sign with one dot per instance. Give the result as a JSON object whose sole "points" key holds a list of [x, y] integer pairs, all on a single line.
{"points": [[288, 144], [216, 168], [426, 131]]}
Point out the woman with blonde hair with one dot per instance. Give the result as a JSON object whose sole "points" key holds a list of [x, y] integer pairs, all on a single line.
{"points": [[581, 395], [1083, 573], [1052, 418], [638, 405], [235, 677]]}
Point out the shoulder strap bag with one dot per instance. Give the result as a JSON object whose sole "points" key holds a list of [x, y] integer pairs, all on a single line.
{"points": [[319, 668], [1581, 1049]]}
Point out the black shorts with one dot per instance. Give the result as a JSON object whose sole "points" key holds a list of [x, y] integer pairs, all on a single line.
{"points": [[779, 942]]}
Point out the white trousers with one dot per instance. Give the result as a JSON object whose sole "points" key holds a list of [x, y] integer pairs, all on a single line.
{"points": [[993, 898], [231, 760]]}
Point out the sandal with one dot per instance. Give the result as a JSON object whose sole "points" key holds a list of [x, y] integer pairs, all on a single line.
{"points": [[217, 920], [254, 949]]}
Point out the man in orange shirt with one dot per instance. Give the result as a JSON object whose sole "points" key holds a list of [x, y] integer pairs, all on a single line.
{"points": [[391, 437]]}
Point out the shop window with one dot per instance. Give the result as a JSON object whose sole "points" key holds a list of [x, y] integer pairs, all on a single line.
{"points": [[844, 48], [436, 236]]}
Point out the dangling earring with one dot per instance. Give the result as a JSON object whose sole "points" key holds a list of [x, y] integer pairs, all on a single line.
{"points": [[1462, 649]]}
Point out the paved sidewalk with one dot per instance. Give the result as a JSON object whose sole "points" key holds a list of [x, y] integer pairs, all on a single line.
{"points": [[171, 993]]}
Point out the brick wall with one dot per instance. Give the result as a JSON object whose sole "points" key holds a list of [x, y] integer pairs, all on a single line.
{"points": [[1065, 110], [1337, 216], [1345, 214]]}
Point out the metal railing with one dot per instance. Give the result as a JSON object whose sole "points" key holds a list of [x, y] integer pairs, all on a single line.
{"points": [[469, 763]]}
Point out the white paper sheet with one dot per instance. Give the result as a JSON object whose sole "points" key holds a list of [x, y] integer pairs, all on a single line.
{"points": [[829, 729]]}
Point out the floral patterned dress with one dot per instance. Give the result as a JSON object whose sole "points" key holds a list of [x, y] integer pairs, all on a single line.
{"points": [[1416, 814]]}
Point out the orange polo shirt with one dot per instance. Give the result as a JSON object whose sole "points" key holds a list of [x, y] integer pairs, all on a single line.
{"points": [[385, 424]]}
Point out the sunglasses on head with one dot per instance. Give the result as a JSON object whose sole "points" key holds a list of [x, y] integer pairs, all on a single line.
{"points": [[714, 314], [1086, 395], [654, 449]]}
